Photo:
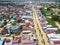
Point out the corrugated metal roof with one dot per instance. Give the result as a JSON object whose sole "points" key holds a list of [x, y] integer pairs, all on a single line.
{"points": [[29, 43], [50, 31], [26, 28], [56, 42]]}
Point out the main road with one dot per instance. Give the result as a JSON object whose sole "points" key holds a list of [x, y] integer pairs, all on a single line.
{"points": [[41, 35]]}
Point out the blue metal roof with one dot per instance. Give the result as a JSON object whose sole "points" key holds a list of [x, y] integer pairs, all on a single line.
{"points": [[24, 17], [27, 17], [1, 41]]}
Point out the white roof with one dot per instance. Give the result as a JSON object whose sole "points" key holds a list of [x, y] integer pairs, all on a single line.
{"points": [[52, 29], [27, 21], [54, 37], [44, 27], [26, 31], [8, 24], [44, 22], [12, 20], [48, 25]]}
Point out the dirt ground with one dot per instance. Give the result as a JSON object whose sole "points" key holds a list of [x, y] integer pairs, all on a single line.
{"points": [[57, 23]]}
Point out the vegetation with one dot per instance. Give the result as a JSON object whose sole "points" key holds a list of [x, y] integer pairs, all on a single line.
{"points": [[59, 19], [51, 22], [56, 18], [49, 12], [46, 12], [58, 32]]}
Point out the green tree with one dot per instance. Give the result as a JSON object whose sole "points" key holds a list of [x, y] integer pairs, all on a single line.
{"points": [[54, 17], [59, 19]]}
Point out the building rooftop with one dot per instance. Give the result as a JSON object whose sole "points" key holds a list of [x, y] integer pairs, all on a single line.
{"points": [[50, 31], [29, 43], [56, 42]]}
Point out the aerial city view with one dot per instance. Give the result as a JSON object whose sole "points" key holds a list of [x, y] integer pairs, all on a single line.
{"points": [[29, 22]]}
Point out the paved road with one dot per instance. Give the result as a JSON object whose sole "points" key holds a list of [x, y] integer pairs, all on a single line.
{"points": [[37, 31], [41, 35]]}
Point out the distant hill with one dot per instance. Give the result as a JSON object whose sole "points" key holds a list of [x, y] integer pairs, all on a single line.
{"points": [[29, 0]]}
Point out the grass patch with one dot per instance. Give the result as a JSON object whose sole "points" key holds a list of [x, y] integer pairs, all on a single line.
{"points": [[58, 32], [51, 22]]}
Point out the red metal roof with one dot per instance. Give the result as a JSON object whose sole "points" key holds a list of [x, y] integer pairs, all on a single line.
{"points": [[42, 20], [50, 31], [56, 42], [17, 40], [29, 43], [26, 28], [21, 12]]}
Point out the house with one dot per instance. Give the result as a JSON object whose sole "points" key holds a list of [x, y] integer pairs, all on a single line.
{"points": [[56, 42], [20, 20], [54, 36], [16, 41], [28, 38], [25, 27], [55, 29], [54, 39], [26, 31], [49, 26], [44, 26], [20, 12], [28, 6], [45, 22], [27, 21], [29, 43], [8, 41], [1, 23], [50, 31], [26, 17], [12, 20], [28, 11]]}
